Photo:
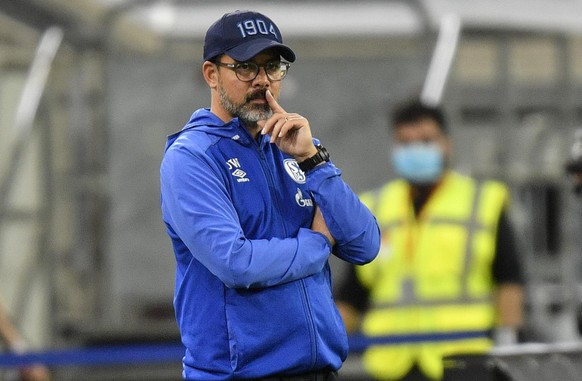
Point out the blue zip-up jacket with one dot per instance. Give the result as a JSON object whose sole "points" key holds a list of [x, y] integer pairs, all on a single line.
{"points": [[253, 293]]}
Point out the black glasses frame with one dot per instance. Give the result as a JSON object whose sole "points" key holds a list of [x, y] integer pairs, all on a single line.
{"points": [[235, 66]]}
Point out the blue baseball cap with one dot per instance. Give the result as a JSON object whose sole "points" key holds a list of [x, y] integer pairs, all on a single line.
{"points": [[242, 35]]}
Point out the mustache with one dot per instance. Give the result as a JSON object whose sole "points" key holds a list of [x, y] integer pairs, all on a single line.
{"points": [[258, 94]]}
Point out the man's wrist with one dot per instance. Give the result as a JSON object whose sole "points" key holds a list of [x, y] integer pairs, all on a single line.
{"points": [[321, 156], [312, 151]]}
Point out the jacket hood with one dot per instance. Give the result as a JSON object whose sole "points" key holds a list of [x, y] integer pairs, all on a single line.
{"points": [[205, 121]]}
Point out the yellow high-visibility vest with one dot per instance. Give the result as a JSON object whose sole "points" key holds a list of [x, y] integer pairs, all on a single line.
{"points": [[433, 273]]}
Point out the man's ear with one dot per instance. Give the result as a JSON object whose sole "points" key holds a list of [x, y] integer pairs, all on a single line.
{"points": [[210, 73]]}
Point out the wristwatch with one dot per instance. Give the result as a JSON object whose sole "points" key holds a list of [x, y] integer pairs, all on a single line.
{"points": [[320, 157]]}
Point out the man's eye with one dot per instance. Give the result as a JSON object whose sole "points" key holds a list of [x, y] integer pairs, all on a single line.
{"points": [[245, 66], [277, 67]]}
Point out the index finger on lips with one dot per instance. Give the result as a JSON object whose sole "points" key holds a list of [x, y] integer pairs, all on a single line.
{"points": [[278, 113], [273, 103]]}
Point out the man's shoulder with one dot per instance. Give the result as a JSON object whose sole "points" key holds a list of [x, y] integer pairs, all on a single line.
{"points": [[191, 139]]}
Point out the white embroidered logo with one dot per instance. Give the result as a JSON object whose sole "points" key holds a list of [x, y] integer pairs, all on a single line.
{"points": [[293, 170], [301, 201], [239, 173], [252, 27]]}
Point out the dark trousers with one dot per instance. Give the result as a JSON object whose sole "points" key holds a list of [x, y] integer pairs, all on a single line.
{"points": [[413, 375], [316, 376]]}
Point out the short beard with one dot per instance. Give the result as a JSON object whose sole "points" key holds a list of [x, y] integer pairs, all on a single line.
{"points": [[247, 112]]}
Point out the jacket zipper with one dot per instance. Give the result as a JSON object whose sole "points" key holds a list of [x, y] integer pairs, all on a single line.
{"points": [[303, 287], [271, 181], [310, 324]]}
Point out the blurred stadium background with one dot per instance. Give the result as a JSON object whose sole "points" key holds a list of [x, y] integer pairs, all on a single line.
{"points": [[90, 88]]}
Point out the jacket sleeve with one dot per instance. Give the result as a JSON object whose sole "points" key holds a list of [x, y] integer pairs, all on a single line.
{"points": [[197, 210], [350, 222]]}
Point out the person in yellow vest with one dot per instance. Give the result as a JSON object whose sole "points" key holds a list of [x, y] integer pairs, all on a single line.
{"points": [[448, 267]]}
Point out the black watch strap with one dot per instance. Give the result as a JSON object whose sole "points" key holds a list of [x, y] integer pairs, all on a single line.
{"points": [[321, 156]]}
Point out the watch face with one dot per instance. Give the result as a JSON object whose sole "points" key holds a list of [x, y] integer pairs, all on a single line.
{"points": [[321, 156]]}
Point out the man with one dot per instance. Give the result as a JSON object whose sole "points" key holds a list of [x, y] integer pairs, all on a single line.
{"points": [[254, 207], [447, 265]]}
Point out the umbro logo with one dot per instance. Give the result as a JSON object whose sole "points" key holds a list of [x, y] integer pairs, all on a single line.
{"points": [[241, 175], [234, 166]]}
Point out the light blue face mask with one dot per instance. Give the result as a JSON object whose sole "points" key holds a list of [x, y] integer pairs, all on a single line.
{"points": [[419, 163]]}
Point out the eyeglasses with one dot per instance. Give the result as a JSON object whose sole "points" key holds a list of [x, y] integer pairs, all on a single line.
{"points": [[248, 71]]}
